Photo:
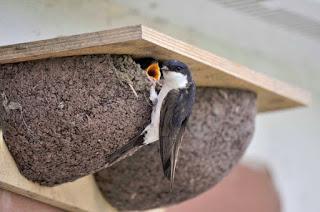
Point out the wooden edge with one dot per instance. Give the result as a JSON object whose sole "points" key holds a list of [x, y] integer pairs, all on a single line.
{"points": [[62, 46], [80, 195], [208, 69], [300, 96], [156, 210]]}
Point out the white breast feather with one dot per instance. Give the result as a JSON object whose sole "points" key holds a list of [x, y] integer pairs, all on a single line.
{"points": [[172, 80]]}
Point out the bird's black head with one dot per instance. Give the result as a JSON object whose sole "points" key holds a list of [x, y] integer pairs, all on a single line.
{"points": [[176, 66]]}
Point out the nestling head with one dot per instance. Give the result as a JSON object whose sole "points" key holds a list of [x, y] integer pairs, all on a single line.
{"points": [[153, 71]]}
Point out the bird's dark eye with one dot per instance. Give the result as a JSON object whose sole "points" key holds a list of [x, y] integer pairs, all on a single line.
{"points": [[178, 68]]}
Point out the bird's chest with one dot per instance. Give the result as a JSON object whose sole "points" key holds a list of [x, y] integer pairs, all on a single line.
{"points": [[162, 95], [152, 134]]}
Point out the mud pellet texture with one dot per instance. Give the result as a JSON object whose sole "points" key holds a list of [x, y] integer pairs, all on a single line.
{"points": [[62, 117], [218, 133]]}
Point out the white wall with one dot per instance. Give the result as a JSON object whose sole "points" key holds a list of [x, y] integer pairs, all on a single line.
{"points": [[288, 141]]}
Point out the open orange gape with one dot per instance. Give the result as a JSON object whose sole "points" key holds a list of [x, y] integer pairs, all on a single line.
{"points": [[153, 71]]}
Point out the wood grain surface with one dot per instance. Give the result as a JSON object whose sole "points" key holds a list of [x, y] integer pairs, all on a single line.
{"points": [[208, 69]]}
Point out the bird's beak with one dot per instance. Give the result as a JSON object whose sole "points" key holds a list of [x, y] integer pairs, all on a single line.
{"points": [[164, 68], [153, 71]]}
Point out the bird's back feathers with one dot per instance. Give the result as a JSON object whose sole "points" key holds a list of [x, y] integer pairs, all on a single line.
{"points": [[175, 112]]}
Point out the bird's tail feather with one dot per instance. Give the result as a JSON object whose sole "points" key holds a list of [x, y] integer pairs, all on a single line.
{"points": [[135, 142], [169, 168]]}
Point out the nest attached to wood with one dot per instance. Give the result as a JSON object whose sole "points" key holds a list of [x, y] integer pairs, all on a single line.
{"points": [[62, 117]]}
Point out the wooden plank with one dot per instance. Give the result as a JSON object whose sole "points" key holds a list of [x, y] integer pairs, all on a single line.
{"points": [[211, 70], [208, 69], [80, 195]]}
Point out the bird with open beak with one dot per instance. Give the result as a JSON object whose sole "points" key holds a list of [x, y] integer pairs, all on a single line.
{"points": [[171, 110]]}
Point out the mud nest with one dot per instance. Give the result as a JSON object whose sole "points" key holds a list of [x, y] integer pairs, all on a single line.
{"points": [[219, 130], [62, 117]]}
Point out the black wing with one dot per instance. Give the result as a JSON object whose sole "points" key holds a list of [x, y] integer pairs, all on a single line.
{"points": [[175, 111], [134, 142]]}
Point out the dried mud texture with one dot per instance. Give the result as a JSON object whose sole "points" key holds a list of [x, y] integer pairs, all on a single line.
{"points": [[218, 133], [62, 117]]}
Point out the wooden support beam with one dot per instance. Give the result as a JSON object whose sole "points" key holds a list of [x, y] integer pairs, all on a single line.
{"points": [[139, 41], [80, 195]]}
